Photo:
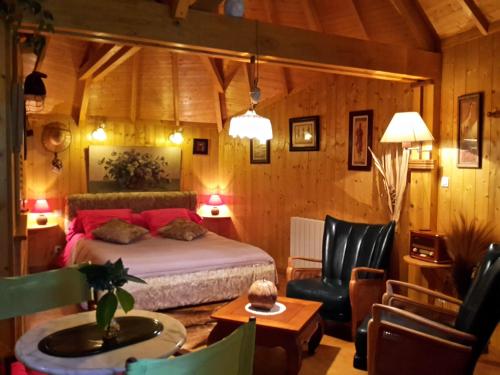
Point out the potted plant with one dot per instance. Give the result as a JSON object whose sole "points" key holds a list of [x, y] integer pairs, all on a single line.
{"points": [[467, 242], [110, 278]]}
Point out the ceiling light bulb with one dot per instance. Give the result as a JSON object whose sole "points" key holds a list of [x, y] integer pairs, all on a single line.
{"points": [[176, 137], [251, 125]]}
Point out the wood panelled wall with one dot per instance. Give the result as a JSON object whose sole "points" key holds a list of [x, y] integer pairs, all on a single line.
{"points": [[310, 184], [469, 68], [110, 101]]}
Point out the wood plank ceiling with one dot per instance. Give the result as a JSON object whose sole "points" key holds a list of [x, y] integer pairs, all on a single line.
{"points": [[163, 85]]}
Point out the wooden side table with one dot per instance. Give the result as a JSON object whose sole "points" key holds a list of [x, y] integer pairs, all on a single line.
{"points": [[435, 276], [42, 240], [299, 323]]}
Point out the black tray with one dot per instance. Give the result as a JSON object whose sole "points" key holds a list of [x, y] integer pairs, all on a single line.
{"points": [[87, 339]]}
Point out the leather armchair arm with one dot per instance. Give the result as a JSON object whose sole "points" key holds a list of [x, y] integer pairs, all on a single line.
{"points": [[296, 273], [363, 293], [425, 344], [431, 312], [393, 285]]}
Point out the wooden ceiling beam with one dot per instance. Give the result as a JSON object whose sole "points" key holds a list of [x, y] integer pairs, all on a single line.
{"points": [[418, 23], [180, 8], [119, 58], [231, 71], [206, 5], [472, 10], [355, 7], [214, 71], [97, 59], [271, 17], [147, 23], [312, 17]]}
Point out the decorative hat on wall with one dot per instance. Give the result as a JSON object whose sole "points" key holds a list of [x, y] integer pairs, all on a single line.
{"points": [[56, 138], [34, 92]]}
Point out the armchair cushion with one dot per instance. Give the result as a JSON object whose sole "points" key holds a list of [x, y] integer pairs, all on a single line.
{"points": [[335, 296]]}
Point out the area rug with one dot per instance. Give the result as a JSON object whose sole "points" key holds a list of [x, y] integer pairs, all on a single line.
{"points": [[197, 321]]}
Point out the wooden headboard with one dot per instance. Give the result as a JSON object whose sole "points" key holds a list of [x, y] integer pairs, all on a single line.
{"points": [[136, 201]]}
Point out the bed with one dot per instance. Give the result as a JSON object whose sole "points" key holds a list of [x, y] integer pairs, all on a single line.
{"points": [[178, 273]]}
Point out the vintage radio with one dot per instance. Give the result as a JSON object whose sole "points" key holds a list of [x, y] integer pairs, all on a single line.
{"points": [[429, 247]]}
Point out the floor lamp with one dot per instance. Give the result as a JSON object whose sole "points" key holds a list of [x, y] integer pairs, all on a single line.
{"points": [[404, 128]]}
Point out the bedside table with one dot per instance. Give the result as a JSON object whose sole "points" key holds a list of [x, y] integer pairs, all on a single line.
{"points": [[42, 240]]}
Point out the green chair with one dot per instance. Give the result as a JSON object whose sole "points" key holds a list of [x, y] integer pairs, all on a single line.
{"points": [[233, 355], [23, 295]]}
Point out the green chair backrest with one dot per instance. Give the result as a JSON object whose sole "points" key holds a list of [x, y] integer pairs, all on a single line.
{"points": [[25, 295], [233, 355]]}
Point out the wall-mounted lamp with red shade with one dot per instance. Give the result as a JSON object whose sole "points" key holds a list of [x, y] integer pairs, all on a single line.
{"points": [[215, 201], [41, 207]]}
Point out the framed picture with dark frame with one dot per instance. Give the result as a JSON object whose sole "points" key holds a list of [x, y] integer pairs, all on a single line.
{"points": [[260, 153], [470, 130], [200, 146], [360, 138], [304, 133]]}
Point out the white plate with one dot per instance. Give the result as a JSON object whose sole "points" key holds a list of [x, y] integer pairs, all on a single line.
{"points": [[277, 309]]}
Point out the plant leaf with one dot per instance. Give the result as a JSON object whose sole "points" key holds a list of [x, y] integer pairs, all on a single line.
{"points": [[135, 279], [126, 299], [106, 308]]}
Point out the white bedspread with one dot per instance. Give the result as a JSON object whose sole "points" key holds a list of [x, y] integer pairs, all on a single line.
{"points": [[159, 257]]}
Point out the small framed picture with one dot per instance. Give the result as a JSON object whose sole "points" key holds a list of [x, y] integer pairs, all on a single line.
{"points": [[304, 133], [470, 130], [260, 153], [360, 138], [200, 146]]}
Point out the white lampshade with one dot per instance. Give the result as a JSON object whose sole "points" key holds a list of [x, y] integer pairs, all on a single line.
{"points": [[406, 127], [251, 125]]}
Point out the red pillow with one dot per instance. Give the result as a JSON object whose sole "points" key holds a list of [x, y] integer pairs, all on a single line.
{"points": [[157, 219], [137, 219], [93, 219]]}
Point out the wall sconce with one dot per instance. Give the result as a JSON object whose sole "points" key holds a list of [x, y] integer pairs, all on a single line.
{"points": [[99, 134], [176, 137], [34, 92]]}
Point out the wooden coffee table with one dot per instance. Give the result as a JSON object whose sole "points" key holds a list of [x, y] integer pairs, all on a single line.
{"points": [[300, 323]]}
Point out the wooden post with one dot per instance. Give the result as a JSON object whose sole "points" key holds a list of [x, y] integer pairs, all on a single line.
{"points": [[6, 159]]}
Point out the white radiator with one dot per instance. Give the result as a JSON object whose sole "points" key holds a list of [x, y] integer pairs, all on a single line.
{"points": [[306, 238]]}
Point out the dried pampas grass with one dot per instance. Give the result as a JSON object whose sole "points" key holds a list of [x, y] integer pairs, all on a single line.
{"points": [[467, 242], [395, 175]]}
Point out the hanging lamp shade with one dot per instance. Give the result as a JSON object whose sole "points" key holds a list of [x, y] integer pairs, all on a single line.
{"points": [[34, 91], [251, 125]]}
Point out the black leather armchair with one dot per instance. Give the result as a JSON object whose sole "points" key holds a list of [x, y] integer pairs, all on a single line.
{"points": [[351, 278], [433, 339]]}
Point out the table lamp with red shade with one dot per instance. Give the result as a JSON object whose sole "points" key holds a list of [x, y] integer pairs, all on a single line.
{"points": [[41, 207], [214, 201]]}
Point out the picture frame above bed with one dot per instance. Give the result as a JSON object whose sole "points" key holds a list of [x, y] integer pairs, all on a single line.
{"points": [[119, 168]]}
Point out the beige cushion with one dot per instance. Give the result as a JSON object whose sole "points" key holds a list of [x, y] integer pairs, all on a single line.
{"points": [[119, 231], [182, 229]]}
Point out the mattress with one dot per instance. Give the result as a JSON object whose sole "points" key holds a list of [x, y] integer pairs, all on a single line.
{"points": [[181, 273], [157, 256]]}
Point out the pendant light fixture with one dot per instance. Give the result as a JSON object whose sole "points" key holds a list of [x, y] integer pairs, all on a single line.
{"points": [[250, 124], [34, 92]]}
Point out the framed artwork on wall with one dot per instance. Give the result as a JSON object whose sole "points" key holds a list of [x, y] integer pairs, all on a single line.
{"points": [[200, 146], [260, 153], [360, 138], [118, 168], [470, 130], [304, 133]]}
